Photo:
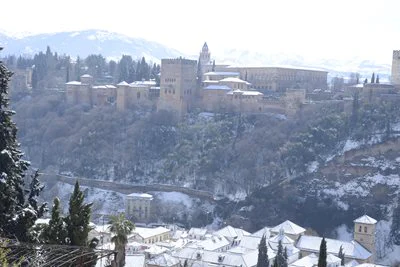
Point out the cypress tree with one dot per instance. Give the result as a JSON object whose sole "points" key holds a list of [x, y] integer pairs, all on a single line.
{"points": [[377, 79], [213, 66], [395, 227], [322, 254], [55, 232], [373, 78], [19, 208], [262, 260], [78, 218], [280, 258], [365, 81], [341, 255]]}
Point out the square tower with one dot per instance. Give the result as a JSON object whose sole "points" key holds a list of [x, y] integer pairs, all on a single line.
{"points": [[138, 206], [177, 85], [364, 233], [396, 68]]}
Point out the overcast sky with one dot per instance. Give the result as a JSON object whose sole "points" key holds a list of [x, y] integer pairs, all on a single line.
{"points": [[311, 28]]}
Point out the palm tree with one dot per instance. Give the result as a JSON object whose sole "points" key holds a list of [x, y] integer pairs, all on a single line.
{"points": [[121, 228]]}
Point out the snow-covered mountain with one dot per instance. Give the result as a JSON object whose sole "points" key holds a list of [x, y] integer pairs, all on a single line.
{"points": [[83, 43]]}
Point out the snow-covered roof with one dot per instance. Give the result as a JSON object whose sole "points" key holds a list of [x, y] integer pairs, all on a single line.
{"points": [[250, 242], [275, 67], [312, 260], [252, 93], [147, 83], [352, 249], [74, 83], [211, 81], [365, 219], [213, 258], [233, 80], [155, 250], [123, 83], [132, 260], [221, 73], [149, 232], [352, 263], [264, 231], [217, 87], [242, 92], [371, 265], [212, 244], [86, 76], [197, 231], [106, 86], [283, 238], [288, 228], [140, 195], [164, 260], [232, 233]]}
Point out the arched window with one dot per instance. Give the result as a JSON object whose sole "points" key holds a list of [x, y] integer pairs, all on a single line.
{"points": [[359, 229], [365, 229]]}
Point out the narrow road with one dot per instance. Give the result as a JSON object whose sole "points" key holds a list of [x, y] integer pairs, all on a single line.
{"points": [[125, 188]]}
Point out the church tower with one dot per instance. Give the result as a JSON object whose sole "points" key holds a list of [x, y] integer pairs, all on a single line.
{"points": [[396, 68], [364, 233], [205, 55]]}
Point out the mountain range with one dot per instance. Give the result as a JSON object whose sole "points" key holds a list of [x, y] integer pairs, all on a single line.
{"points": [[113, 45]]}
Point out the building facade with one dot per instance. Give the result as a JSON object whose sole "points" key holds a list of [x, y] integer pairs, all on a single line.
{"points": [[178, 87], [138, 206]]}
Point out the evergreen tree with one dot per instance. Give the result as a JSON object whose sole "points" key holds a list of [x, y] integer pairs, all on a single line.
{"points": [[199, 73], [341, 255], [245, 76], [19, 208], [121, 228], [365, 81], [373, 78], [55, 232], [78, 218], [280, 260], [262, 260], [213, 66], [322, 254], [285, 257], [377, 79], [395, 228]]}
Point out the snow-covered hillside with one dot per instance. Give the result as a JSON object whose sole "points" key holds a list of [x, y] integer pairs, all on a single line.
{"points": [[84, 43]]}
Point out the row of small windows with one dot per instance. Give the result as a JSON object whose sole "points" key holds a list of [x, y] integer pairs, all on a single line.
{"points": [[360, 229], [169, 91], [170, 80]]}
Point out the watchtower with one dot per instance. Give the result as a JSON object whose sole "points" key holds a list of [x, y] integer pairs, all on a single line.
{"points": [[396, 68]]}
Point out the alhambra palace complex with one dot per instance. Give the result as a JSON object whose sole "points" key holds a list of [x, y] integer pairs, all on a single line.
{"points": [[186, 85]]}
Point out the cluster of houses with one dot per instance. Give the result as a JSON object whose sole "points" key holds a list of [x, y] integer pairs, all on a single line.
{"points": [[233, 247]]}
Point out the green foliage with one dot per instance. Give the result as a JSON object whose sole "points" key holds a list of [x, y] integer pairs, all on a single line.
{"points": [[19, 208], [78, 219], [322, 254], [55, 232], [121, 228], [262, 260], [281, 256]]}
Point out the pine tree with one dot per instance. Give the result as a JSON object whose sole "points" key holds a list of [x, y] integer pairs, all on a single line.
{"points": [[213, 66], [121, 228], [365, 81], [322, 254], [373, 78], [285, 257], [262, 260], [55, 232], [395, 228], [19, 208], [78, 218], [377, 79], [341, 255], [280, 260]]}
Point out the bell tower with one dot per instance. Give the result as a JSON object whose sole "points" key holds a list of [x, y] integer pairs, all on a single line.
{"points": [[205, 55], [364, 233]]}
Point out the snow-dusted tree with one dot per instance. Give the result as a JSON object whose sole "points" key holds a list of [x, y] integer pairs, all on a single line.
{"points": [[55, 232], [19, 208], [262, 260], [280, 260], [121, 228], [322, 254], [78, 218]]}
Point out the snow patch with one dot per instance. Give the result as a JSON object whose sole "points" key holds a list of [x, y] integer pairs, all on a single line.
{"points": [[350, 145], [312, 167]]}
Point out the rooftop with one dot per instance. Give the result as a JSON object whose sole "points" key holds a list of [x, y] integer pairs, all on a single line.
{"points": [[288, 228], [352, 249], [217, 87], [233, 80], [149, 232], [365, 219], [140, 195], [221, 73]]}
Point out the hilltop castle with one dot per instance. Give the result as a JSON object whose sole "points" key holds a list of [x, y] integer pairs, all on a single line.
{"points": [[187, 84]]}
